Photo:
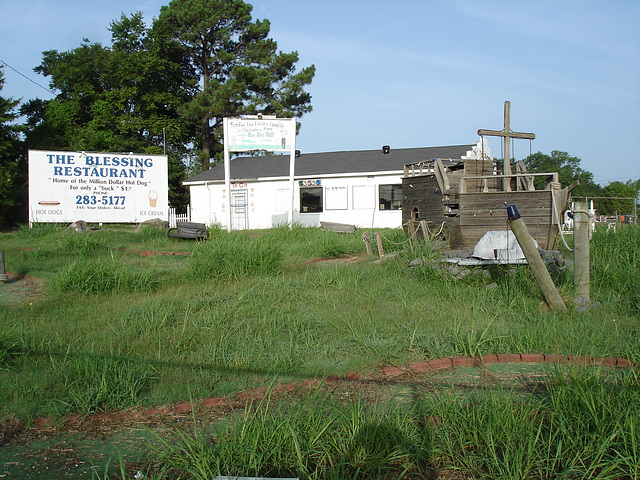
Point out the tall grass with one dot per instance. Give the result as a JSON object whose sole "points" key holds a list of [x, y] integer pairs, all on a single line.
{"points": [[584, 424], [152, 235], [235, 257], [81, 244], [11, 346], [96, 383], [103, 276], [614, 279], [313, 438], [38, 230], [247, 307], [312, 243], [585, 427]]}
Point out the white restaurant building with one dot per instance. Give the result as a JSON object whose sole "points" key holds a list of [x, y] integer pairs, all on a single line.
{"points": [[361, 188]]}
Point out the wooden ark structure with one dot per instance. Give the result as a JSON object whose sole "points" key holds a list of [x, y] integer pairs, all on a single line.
{"points": [[466, 199]]}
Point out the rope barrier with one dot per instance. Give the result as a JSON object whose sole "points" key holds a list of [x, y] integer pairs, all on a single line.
{"points": [[413, 234]]}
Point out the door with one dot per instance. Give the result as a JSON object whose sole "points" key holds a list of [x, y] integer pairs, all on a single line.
{"points": [[239, 210]]}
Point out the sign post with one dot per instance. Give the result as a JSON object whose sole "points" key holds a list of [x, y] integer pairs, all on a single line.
{"points": [[258, 132]]}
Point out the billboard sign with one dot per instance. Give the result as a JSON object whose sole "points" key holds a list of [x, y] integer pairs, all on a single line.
{"points": [[273, 134], [97, 187]]}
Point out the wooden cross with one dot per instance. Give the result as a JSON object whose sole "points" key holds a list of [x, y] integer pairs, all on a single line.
{"points": [[506, 135]]}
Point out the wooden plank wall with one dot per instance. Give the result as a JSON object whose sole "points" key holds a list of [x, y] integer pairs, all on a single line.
{"points": [[481, 212], [477, 168], [423, 193]]}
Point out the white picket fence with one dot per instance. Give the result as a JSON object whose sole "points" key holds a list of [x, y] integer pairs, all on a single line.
{"points": [[174, 217]]}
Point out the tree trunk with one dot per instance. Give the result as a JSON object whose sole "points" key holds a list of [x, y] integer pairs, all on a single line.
{"points": [[206, 144]]}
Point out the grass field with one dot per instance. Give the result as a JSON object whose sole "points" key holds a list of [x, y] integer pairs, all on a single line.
{"points": [[113, 329]]}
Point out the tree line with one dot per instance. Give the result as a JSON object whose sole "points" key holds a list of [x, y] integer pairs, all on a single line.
{"points": [[158, 89], [615, 198], [165, 88]]}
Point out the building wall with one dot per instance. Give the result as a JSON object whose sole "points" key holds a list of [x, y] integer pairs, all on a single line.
{"points": [[352, 200]]}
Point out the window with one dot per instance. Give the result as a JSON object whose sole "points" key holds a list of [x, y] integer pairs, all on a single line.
{"points": [[364, 196], [310, 199], [390, 197], [336, 198]]}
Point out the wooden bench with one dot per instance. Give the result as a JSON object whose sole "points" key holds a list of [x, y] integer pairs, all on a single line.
{"points": [[338, 227], [197, 231]]}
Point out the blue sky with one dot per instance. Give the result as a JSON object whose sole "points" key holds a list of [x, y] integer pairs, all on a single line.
{"points": [[413, 73]]}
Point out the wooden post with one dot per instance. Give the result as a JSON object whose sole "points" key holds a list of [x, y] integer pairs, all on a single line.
{"points": [[367, 243], [534, 260], [412, 230], [3, 273], [379, 242], [425, 230], [581, 253]]}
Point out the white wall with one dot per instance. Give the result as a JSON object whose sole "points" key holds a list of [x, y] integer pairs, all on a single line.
{"points": [[350, 200]]}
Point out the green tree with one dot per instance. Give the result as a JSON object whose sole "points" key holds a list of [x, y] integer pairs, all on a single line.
{"points": [[13, 167], [119, 99], [240, 69], [622, 197], [568, 169]]}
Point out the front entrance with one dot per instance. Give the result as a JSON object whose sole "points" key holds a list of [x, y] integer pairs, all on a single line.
{"points": [[239, 211]]}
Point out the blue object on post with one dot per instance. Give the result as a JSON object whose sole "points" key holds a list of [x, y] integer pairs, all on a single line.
{"points": [[512, 212]]}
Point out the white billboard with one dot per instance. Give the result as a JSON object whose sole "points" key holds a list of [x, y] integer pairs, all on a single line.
{"points": [[97, 187], [249, 133]]}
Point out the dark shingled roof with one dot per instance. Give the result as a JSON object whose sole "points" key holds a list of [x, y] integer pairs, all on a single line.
{"points": [[319, 164]]}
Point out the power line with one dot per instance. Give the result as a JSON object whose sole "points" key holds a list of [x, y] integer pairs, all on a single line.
{"points": [[115, 126], [27, 78]]}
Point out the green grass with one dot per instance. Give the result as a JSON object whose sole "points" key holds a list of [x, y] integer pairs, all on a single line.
{"points": [[311, 438], [114, 329], [584, 424]]}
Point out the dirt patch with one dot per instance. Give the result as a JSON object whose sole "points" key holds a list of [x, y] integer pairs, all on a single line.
{"points": [[20, 289]]}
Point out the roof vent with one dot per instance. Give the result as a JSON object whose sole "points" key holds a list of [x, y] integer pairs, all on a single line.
{"points": [[386, 149]]}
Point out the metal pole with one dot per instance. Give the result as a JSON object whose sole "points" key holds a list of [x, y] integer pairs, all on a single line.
{"points": [[227, 173], [292, 169]]}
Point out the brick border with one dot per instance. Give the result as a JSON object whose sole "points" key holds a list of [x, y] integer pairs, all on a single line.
{"points": [[388, 372]]}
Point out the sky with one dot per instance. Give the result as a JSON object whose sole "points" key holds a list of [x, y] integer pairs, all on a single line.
{"points": [[414, 73]]}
